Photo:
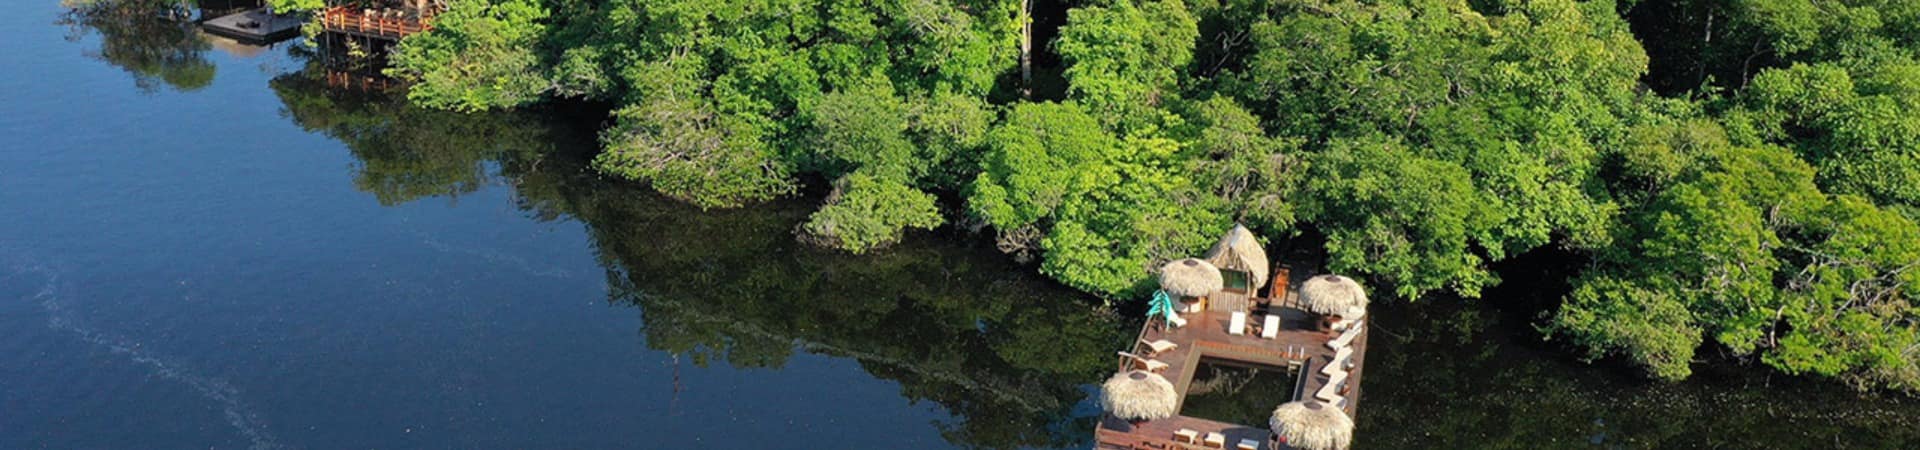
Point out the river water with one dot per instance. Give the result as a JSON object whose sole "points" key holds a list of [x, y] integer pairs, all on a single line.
{"points": [[207, 245]]}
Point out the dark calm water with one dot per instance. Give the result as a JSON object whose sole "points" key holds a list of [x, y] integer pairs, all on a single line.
{"points": [[205, 245]]}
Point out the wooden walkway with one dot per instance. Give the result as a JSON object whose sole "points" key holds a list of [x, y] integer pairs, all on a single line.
{"points": [[1298, 346], [379, 24]]}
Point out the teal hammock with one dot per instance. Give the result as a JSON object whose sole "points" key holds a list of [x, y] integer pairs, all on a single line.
{"points": [[1161, 305]]}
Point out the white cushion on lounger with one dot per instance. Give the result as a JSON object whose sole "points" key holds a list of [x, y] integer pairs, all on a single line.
{"points": [[1160, 346]]}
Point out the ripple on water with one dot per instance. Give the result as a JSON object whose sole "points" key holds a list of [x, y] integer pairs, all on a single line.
{"points": [[53, 299]]}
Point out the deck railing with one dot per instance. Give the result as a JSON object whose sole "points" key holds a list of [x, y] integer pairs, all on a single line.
{"points": [[381, 23], [1115, 439]]}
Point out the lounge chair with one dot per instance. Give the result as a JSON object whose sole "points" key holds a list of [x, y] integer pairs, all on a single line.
{"points": [[1247, 444], [1342, 355], [1215, 440], [1238, 325], [1270, 329], [1345, 337], [1159, 346], [1186, 436], [1149, 365], [1327, 393]]}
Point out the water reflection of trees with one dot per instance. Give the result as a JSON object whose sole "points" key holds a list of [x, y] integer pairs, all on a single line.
{"points": [[156, 41], [1001, 351], [1004, 352], [408, 153], [1448, 374]]}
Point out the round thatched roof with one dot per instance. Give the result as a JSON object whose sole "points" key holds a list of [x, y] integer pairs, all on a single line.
{"points": [[1332, 294], [1190, 277], [1139, 395], [1354, 313], [1312, 425], [1240, 250]]}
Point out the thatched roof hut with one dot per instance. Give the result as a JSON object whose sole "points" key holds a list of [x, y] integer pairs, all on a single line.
{"points": [[1332, 294], [1312, 425], [1139, 395], [1190, 278], [1240, 251]]}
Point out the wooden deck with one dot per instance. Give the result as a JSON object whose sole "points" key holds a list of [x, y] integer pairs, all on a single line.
{"points": [[1298, 346], [254, 26], [372, 23]]}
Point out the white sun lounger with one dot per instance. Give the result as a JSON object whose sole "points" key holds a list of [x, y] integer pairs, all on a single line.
{"points": [[1271, 328], [1159, 346], [1144, 363], [1238, 325], [1328, 393], [1345, 337]]}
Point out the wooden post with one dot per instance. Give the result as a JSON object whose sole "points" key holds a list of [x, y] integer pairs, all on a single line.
{"points": [[1026, 48]]}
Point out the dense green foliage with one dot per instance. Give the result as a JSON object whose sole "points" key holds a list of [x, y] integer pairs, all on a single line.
{"points": [[1742, 175], [478, 56], [285, 6], [965, 332]]}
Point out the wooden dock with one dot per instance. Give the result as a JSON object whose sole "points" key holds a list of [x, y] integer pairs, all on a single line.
{"points": [[1298, 347], [254, 26]]}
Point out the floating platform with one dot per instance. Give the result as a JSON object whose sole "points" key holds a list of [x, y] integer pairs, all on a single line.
{"points": [[255, 25], [1298, 346]]}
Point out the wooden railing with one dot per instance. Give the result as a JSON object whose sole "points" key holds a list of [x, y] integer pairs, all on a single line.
{"points": [[1120, 440], [373, 22]]}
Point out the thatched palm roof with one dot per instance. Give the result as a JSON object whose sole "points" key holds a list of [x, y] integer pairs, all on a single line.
{"points": [[1190, 277], [1240, 250], [1312, 425], [1332, 294], [1139, 395]]}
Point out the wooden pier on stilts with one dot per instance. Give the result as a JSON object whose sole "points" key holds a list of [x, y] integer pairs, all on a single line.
{"points": [[383, 20]]}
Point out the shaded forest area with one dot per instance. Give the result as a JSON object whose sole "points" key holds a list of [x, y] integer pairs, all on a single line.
{"points": [[1739, 177]]}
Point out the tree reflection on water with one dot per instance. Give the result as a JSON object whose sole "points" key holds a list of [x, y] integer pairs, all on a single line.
{"points": [[1006, 353], [156, 41], [1449, 373]]}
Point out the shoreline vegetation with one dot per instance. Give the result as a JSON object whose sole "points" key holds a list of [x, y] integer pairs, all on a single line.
{"points": [[1739, 177]]}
